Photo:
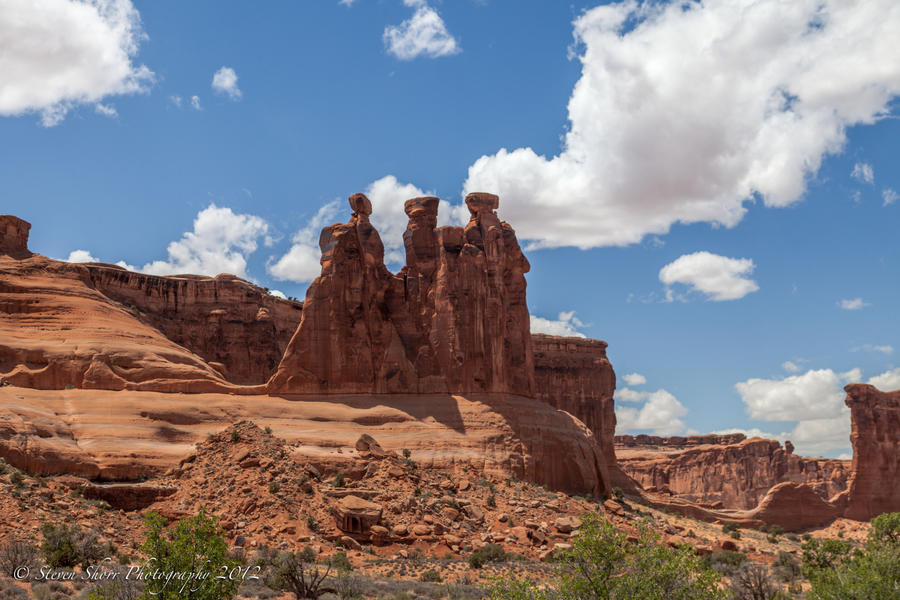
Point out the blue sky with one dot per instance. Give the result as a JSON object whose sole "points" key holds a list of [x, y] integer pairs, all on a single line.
{"points": [[712, 190]]}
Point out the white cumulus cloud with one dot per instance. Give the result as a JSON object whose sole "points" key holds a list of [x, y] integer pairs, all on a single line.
{"points": [[220, 243], [889, 196], [81, 256], [566, 325], [661, 415], [813, 400], [887, 381], [798, 397], [225, 81], [718, 277], [423, 34], [301, 263], [685, 111], [634, 379], [58, 54], [387, 195]]}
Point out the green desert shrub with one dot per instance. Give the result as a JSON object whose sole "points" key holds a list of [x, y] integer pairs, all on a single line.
{"points": [[872, 573], [602, 566], [485, 554], [69, 545], [193, 545]]}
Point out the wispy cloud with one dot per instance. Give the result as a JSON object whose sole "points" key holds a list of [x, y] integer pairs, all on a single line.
{"points": [[853, 304], [863, 172]]}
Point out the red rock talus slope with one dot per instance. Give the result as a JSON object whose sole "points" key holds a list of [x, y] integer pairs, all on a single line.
{"points": [[101, 327], [453, 320], [875, 434], [732, 475], [125, 434]]}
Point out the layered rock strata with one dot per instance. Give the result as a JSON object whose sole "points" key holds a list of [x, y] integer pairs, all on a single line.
{"points": [[575, 375], [99, 326], [732, 475]]}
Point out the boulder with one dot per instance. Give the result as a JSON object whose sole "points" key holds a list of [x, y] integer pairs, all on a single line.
{"points": [[356, 515], [366, 445]]}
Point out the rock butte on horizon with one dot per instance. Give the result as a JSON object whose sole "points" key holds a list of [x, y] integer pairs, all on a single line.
{"points": [[453, 320]]}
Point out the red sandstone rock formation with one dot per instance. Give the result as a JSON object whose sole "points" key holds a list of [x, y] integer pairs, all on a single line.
{"points": [[574, 375], [234, 326], [14, 236], [99, 326], [453, 320], [795, 506], [875, 434], [732, 475]]}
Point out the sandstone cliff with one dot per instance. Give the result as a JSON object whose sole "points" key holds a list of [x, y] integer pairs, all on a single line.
{"points": [[99, 326], [225, 320], [730, 474], [875, 434], [574, 375], [453, 320]]}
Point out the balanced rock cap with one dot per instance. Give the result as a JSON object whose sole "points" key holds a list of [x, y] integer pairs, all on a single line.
{"points": [[360, 204], [424, 206], [482, 202]]}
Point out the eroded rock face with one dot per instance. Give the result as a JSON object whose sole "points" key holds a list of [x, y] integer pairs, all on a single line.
{"points": [[875, 434], [574, 375], [795, 506], [235, 326], [453, 320], [14, 236], [102, 327], [679, 441], [733, 475]]}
